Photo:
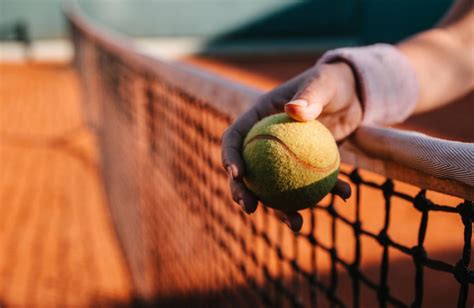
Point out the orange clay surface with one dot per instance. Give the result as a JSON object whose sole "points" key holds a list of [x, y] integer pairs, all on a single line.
{"points": [[57, 244]]}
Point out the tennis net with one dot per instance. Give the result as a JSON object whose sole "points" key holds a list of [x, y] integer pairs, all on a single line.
{"points": [[158, 127]]}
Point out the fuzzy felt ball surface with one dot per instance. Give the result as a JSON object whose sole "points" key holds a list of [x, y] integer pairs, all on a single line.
{"points": [[290, 165]]}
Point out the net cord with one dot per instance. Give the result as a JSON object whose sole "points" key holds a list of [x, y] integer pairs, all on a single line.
{"points": [[430, 163]]}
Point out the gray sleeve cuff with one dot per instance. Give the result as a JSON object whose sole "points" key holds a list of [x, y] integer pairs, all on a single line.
{"points": [[387, 82]]}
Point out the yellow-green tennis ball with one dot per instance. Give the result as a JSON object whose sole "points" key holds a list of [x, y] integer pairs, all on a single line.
{"points": [[290, 165]]}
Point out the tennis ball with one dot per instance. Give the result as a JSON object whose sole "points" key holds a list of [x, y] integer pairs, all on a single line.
{"points": [[290, 165]]}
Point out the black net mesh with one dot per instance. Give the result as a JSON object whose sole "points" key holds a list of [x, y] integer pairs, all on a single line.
{"points": [[188, 244]]}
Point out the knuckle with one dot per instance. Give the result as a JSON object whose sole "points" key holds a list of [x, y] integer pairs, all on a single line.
{"points": [[264, 98]]}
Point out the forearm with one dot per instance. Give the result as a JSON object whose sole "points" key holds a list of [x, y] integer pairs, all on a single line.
{"points": [[443, 60]]}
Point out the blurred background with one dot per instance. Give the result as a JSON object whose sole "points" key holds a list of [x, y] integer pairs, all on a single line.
{"points": [[237, 38], [58, 246], [233, 26]]}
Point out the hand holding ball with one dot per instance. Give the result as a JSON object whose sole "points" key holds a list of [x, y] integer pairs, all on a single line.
{"points": [[290, 165]]}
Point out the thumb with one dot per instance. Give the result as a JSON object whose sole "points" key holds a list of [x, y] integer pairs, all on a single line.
{"points": [[309, 102]]}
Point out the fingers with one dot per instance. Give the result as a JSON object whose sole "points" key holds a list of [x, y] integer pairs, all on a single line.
{"points": [[233, 138], [268, 104], [232, 144], [242, 196], [309, 102], [292, 219], [342, 189], [231, 153]]}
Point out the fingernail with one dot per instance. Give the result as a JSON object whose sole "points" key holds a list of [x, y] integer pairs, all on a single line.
{"points": [[299, 103], [242, 205], [231, 171], [286, 221]]}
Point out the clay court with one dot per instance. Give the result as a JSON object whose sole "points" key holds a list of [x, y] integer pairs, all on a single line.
{"points": [[112, 191], [57, 243], [58, 246]]}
